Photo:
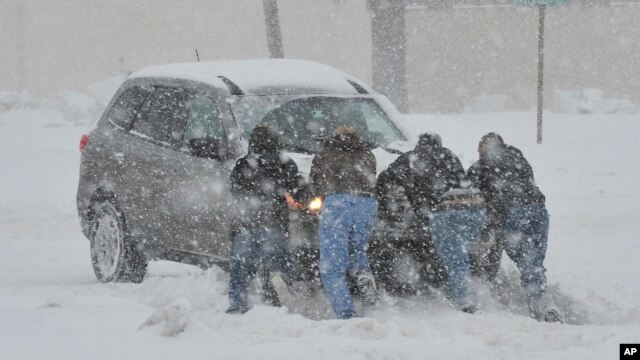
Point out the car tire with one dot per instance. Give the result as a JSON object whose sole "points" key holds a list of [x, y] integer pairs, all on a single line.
{"points": [[399, 272], [113, 256]]}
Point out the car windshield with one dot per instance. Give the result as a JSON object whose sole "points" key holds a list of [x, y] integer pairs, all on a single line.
{"points": [[305, 123]]}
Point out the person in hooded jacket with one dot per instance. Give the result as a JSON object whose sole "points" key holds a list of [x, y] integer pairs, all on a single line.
{"points": [[259, 183], [344, 174], [518, 215], [450, 210]]}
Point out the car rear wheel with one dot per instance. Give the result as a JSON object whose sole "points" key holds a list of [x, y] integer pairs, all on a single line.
{"points": [[113, 256]]}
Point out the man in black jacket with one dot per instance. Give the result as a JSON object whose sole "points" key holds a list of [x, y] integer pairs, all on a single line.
{"points": [[344, 173], [517, 214], [436, 186], [259, 182]]}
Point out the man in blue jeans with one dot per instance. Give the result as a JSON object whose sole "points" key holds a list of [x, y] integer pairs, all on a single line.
{"points": [[259, 183], [518, 215], [453, 213], [344, 174]]}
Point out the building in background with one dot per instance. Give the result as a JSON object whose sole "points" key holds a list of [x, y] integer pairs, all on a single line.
{"points": [[460, 54]]}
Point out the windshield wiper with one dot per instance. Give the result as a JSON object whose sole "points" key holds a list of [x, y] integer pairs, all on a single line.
{"points": [[297, 148], [393, 151]]}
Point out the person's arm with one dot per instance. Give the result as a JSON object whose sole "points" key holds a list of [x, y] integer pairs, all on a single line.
{"points": [[526, 170], [294, 183], [456, 170], [243, 183], [238, 177], [371, 168], [473, 175], [316, 176]]}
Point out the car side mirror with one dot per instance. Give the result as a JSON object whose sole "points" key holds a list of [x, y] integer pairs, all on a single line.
{"points": [[207, 148]]}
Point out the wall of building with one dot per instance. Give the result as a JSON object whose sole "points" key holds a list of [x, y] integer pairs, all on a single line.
{"points": [[458, 55], [454, 55]]}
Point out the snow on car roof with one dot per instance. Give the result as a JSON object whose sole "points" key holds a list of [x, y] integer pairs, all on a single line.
{"points": [[263, 77]]}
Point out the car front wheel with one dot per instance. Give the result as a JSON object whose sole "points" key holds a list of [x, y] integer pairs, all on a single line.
{"points": [[113, 256]]}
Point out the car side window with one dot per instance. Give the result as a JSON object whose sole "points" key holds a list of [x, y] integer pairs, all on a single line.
{"points": [[204, 120], [125, 109], [164, 116]]}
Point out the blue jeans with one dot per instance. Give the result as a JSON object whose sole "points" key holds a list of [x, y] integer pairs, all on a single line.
{"points": [[250, 247], [526, 231], [452, 231], [345, 226]]}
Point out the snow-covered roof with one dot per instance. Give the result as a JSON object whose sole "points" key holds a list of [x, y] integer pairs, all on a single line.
{"points": [[261, 77]]}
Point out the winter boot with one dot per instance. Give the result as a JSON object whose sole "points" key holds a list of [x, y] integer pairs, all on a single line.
{"points": [[469, 308], [237, 310], [543, 309], [367, 288], [553, 316]]}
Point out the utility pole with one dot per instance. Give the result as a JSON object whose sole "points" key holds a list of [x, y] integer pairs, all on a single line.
{"points": [[389, 50], [21, 39], [274, 33], [541, 9]]}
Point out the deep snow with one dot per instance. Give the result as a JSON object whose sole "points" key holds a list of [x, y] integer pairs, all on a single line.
{"points": [[52, 307]]}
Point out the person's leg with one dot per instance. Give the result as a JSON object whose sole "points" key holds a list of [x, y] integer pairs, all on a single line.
{"points": [[243, 269], [364, 217], [451, 232], [486, 253], [526, 231], [335, 227], [276, 255]]}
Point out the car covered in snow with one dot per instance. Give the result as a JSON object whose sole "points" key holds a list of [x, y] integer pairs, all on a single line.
{"points": [[154, 174]]}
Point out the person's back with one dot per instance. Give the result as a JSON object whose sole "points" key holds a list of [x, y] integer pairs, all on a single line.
{"points": [[504, 176], [345, 165], [259, 182], [427, 173]]}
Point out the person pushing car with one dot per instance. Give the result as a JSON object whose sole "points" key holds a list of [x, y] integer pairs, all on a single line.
{"points": [[344, 175]]}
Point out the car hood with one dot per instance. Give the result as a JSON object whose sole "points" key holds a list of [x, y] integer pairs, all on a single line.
{"points": [[384, 157]]}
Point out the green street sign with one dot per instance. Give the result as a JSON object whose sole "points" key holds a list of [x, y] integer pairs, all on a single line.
{"points": [[541, 2]]}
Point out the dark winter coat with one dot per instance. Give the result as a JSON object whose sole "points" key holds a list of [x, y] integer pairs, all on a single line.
{"points": [[426, 174], [345, 165], [259, 182], [505, 179]]}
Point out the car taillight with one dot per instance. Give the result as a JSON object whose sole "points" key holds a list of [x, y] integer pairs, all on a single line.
{"points": [[84, 141]]}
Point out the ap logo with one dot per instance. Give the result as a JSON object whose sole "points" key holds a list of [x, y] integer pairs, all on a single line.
{"points": [[629, 351]]}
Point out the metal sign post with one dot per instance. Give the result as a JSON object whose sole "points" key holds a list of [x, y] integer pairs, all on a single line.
{"points": [[542, 6]]}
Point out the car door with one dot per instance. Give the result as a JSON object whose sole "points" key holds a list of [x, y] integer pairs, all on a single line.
{"points": [[155, 159], [201, 201], [116, 150]]}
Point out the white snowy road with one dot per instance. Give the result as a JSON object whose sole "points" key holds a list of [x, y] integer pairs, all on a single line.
{"points": [[51, 306]]}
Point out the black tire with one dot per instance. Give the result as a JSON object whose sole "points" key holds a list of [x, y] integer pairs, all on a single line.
{"points": [[404, 272], [405, 263], [485, 255], [113, 256]]}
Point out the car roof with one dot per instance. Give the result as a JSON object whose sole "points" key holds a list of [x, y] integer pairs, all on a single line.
{"points": [[263, 76]]}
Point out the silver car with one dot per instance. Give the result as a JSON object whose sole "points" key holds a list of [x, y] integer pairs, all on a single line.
{"points": [[154, 174]]}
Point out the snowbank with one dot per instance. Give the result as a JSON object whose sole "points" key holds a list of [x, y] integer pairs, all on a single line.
{"points": [[590, 101], [78, 107], [52, 307]]}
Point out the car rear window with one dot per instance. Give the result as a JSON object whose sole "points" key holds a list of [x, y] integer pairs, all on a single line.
{"points": [[163, 116], [125, 109]]}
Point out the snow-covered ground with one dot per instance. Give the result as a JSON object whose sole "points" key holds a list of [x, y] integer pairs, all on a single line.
{"points": [[52, 307]]}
